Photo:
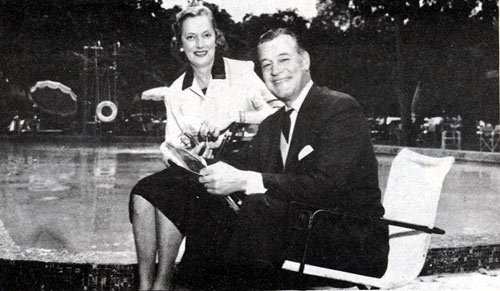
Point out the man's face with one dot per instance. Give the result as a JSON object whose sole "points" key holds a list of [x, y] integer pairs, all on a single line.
{"points": [[284, 69]]}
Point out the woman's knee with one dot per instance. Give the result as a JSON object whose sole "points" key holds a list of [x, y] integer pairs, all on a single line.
{"points": [[139, 206]]}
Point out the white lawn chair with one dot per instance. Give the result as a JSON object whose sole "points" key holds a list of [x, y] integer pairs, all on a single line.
{"points": [[411, 200], [489, 136]]}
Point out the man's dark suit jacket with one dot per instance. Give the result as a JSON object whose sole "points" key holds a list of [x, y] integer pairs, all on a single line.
{"points": [[340, 174], [248, 248]]}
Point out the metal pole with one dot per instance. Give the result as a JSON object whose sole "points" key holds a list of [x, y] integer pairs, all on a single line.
{"points": [[96, 98], [115, 76], [83, 102], [96, 69]]}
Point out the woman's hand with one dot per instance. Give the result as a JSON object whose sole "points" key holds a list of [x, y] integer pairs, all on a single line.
{"points": [[224, 123], [211, 130], [203, 149]]}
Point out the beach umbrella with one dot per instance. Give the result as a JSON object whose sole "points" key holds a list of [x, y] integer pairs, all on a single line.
{"points": [[155, 94], [54, 97]]}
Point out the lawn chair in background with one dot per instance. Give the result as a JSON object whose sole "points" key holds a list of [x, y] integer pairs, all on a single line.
{"points": [[451, 134], [489, 136], [410, 200]]}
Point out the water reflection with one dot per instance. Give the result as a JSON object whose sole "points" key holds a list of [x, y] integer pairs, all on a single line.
{"points": [[60, 197], [104, 181], [69, 198]]}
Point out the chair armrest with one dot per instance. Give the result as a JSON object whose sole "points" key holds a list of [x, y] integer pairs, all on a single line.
{"points": [[386, 221]]}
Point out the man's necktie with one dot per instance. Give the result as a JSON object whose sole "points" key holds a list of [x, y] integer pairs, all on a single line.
{"points": [[285, 123]]}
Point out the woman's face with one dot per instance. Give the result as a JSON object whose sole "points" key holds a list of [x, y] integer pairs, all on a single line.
{"points": [[198, 40]]}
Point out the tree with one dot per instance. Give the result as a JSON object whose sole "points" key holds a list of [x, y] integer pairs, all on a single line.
{"points": [[423, 41], [45, 39], [253, 26]]}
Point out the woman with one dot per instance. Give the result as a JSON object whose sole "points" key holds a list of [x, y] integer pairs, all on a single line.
{"points": [[201, 104]]}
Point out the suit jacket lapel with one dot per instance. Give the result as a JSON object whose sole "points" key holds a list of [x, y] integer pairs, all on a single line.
{"points": [[303, 126]]}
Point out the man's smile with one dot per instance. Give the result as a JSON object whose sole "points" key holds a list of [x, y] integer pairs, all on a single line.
{"points": [[280, 80]]}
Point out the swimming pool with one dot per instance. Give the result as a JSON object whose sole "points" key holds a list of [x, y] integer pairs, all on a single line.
{"points": [[68, 201]]}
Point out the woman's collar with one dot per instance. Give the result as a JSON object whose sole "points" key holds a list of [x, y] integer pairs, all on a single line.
{"points": [[218, 72]]}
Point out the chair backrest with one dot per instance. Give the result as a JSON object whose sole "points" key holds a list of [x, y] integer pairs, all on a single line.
{"points": [[412, 195]]}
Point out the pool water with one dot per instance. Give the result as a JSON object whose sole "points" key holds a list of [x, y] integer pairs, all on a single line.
{"points": [[75, 198], [71, 198], [468, 206]]}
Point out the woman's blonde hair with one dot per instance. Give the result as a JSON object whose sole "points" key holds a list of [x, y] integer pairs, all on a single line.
{"points": [[194, 11]]}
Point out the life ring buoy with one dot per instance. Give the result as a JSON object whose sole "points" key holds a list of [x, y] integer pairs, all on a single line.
{"points": [[106, 118]]}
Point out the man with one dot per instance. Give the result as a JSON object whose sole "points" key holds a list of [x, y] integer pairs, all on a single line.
{"points": [[317, 150]]}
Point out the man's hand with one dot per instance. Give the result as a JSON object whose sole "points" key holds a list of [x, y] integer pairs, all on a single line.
{"points": [[223, 179]]}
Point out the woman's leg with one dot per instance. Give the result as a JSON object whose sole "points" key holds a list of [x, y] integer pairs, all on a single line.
{"points": [[168, 240], [144, 229], [153, 232]]}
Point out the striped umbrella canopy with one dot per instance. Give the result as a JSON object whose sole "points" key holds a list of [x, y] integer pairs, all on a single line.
{"points": [[54, 97]]}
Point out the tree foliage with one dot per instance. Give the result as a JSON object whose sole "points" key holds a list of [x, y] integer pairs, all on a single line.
{"points": [[387, 47], [376, 50]]}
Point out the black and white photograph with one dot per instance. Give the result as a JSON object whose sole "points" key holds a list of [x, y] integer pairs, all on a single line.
{"points": [[249, 145]]}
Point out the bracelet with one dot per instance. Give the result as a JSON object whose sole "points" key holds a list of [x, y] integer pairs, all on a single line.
{"points": [[242, 116]]}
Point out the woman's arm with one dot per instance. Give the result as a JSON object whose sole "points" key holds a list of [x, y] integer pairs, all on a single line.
{"points": [[263, 102]]}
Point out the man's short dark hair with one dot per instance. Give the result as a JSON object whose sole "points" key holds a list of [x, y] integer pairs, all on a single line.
{"points": [[275, 32]]}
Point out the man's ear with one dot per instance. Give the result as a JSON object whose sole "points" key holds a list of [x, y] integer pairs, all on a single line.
{"points": [[306, 60]]}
